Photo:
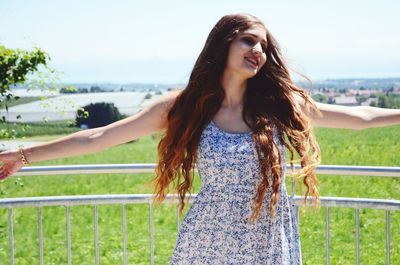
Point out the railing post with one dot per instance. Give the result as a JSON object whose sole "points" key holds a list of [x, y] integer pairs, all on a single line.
{"points": [[68, 235], [151, 234], [327, 237], [40, 228], [388, 237], [293, 187], [178, 221], [357, 236], [96, 234], [11, 234], [124, 232]]}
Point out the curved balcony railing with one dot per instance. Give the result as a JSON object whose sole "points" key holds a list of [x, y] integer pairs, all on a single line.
{"points": [[124, 199]]}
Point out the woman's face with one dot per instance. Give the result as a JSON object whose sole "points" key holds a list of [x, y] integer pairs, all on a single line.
{"points": [[246, 53]]}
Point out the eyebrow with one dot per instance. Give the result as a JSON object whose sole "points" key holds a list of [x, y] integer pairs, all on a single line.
{"points": [[255, 36]]}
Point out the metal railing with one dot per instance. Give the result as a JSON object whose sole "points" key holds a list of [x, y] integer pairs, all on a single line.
{"points": [[95, 200]]}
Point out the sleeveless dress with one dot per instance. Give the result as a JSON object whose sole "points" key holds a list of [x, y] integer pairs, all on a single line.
{"points": [[216, 229]]}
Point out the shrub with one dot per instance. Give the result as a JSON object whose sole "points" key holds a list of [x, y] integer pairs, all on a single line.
{"points": [[97, 115]]}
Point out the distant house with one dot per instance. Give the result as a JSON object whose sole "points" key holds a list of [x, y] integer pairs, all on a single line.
{"points": [[346, 100], [365, 92], [369, 101]]}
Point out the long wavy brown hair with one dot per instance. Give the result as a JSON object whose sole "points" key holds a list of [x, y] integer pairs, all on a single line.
{"points": [[269, 103]]}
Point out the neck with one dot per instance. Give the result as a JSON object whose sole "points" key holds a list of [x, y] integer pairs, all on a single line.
{"points": [[234, 88]]}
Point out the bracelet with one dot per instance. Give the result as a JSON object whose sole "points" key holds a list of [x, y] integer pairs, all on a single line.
{"points": [[23, 157]]}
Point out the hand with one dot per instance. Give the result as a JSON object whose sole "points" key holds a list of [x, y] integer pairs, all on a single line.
{"points": [[11, 163]]}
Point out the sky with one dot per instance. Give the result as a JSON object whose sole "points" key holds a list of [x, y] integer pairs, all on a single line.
{"points": [[158, 41]]}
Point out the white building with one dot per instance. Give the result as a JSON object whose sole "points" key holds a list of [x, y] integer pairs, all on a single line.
{"points": [[346, 100]]}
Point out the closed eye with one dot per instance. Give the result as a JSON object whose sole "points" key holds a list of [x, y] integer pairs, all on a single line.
{"points": [[251, 42], [248, 41]]}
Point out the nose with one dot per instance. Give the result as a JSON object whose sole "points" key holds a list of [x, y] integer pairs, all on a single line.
{"points": [[257, 48]]}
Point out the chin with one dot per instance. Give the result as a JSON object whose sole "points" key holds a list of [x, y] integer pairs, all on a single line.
{"points": [[251, 74], [248, 73]]}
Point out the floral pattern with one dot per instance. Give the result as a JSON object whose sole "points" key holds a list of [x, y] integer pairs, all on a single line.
{"points": [[216, 229]]}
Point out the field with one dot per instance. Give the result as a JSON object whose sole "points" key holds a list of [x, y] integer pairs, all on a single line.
{"points": [[36, 131], [346, 147], [12, 102], [63, 107]]}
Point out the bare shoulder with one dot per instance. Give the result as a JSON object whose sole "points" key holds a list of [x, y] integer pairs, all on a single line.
{"points": [[167, 100], [162, 106]]}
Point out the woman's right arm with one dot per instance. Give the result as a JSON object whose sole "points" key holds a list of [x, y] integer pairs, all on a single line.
{"points": [[150, 120]]}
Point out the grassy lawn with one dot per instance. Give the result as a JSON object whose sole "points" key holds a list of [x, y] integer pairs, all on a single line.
{"points": [[22, 100], [37, 130], [369, 147]]}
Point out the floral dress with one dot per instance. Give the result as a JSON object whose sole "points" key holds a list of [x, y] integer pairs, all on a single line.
{"points": [[216, 228]]}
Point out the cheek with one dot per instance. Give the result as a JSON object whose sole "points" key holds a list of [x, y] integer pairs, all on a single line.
{"points": [[233, 56], [237, 49], [263, 60]]}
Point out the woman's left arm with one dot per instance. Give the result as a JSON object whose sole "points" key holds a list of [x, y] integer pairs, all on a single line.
{"points": [[354, 117], [357, 117]]}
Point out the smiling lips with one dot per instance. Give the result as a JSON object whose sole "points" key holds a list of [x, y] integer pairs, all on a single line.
{"points": [[252, 60]]}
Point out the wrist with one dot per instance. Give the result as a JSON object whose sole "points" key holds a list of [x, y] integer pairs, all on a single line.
{"points": [[22, 155]]}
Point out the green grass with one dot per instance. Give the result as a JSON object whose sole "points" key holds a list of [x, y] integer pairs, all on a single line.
{"points": [[374, 147], [22, 100], [34, 130], [369, 147]]}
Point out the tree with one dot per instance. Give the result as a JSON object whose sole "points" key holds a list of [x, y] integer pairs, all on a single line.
{"points": [[15, 66], [96, 89], [97, 115], [383, 102], [68, 90], [389, 102], [320, 98]]}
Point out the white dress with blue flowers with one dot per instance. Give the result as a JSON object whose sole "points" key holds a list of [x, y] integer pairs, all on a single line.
{"points": [[216, 228]]}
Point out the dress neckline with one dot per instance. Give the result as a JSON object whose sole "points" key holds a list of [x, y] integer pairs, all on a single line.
{"points": [[229, 133]]}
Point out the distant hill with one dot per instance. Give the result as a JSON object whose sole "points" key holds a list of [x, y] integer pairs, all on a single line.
{"points": [[356, 83]]}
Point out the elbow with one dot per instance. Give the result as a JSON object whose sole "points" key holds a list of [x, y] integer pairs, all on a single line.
{"points": [[363, 123], [93, 140], [364, 119], [103, 138]]}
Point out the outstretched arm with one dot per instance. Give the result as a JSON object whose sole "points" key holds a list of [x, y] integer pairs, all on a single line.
{"points": [[357, 117], [148, 121]]}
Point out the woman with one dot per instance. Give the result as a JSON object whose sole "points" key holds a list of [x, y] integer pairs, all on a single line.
{"points": [[234, 120]]}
